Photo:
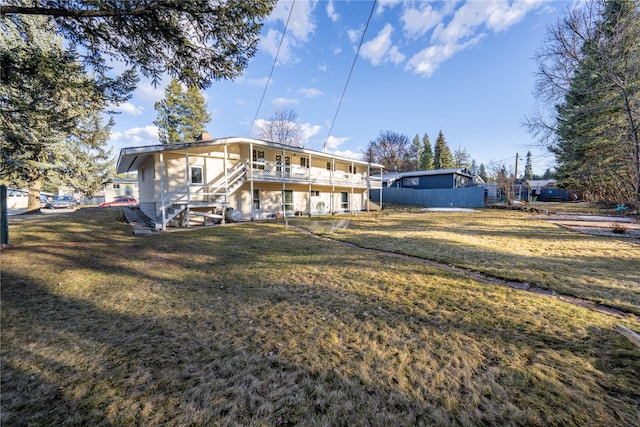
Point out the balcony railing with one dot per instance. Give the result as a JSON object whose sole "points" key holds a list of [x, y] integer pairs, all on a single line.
{"points": [[263, 171]]}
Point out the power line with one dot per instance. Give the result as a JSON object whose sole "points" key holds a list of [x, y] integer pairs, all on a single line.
{"points": [[355, 58], [275, 60]]}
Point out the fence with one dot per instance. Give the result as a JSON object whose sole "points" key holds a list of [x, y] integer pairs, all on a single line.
{"points": [[468, 197]]}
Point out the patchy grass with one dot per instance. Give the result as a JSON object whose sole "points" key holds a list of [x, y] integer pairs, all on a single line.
{"points": [[507, 244], [255, 324]]}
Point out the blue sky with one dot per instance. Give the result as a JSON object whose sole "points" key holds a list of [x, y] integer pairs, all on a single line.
{"points": [[463, 67]]}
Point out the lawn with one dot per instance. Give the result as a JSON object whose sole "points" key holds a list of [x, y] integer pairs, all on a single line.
{"points": [[511, 245], [256, 324]]}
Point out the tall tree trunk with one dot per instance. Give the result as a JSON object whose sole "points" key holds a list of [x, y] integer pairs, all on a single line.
{"points": [[33, 203]]}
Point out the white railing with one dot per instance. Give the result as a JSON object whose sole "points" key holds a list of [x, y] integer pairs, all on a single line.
{"points": [[263, 171]]}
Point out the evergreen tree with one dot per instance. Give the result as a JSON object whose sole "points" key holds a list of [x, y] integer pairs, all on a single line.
{"points": [[50, 111], [193, 40], [590, 74], [482, 172], [473, 167], [426, 154], [442, 157], [414, 153], [182, 116], [528, 168]]}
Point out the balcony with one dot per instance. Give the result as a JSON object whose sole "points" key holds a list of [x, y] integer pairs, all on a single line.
{"points": [[272, 172]]}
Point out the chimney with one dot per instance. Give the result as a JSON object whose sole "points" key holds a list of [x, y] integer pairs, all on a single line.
{"points": [[204, 136]]}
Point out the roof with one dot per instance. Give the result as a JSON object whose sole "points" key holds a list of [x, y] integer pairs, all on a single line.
{"points": [[129, 157], [399, 175]]}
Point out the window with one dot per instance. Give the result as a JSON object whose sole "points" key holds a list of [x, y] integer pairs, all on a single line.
{"points": [[196, 174], [411, 182], [315, 193], [256, 199], [258, 157], [304, 162], [116, 186], [287, 163], [288, 200], [344, 200], [352, 169], [328, 166]]}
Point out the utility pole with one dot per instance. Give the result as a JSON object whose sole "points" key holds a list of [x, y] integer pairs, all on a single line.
{"points": [[515, 175]]}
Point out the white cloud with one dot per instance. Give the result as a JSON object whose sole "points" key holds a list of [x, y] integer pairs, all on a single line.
{"points": [[270, 44], [300, 27], [129, 108], [147, 92], [331, 12], [417, 22], [429, 59], [386, 4], [310, 92], [147, 135], [283, 102], [355, 34], [334, 142], [348, 154], [258, 82], [462, 31], [380, 48], [307, 130]]}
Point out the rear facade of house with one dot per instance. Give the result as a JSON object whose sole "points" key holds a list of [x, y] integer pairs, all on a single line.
{"points": [[245, 179]]}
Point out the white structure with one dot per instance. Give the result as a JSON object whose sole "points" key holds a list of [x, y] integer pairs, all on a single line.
{"points": [[245, 179]]}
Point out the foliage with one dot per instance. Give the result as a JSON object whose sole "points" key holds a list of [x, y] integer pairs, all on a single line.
{"points": [[282, 127], [390, 150], [590, 77], [528, 167], [426, 154], [442, 157], [194, 41], [482, 173], [50, 125], [414, 153], [182, 115]]}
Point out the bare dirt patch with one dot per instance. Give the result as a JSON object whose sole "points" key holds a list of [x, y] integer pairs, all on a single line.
{"points": [[598, 225]]}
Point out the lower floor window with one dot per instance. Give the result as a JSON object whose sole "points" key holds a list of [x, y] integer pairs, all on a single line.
{"points": [[256, 199], [344, 200], [288, 199]]}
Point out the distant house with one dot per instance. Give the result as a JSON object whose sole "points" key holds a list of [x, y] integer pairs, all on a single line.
{"points": [[120, 187], [433, 188], [245, 179]]}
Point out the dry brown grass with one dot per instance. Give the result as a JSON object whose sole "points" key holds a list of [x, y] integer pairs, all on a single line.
{"points": [[507, 244], [259, 325]]}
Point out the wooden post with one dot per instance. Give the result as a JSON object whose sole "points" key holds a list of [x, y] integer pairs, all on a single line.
{"points": [[163, 209], [4, 217]]}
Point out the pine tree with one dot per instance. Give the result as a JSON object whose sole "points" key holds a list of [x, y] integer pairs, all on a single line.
{"points": [[482, 172], [182, 116], [414, 153], [442, 157], [50, 109], [426, 154], [473, 168], [528, 168], [590, 78], [196, 41]]}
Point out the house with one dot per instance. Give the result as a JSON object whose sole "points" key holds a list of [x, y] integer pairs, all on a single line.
{"points": [[245, 179], [120, 187], [434, 188]]}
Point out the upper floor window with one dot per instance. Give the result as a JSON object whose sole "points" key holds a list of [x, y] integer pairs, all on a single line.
{"points": [[258, 157], [304, 162], [352, 169], [328, 166], [116, 186]]}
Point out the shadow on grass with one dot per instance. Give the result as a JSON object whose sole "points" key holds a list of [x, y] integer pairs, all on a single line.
{"points": [[256, 324]]}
